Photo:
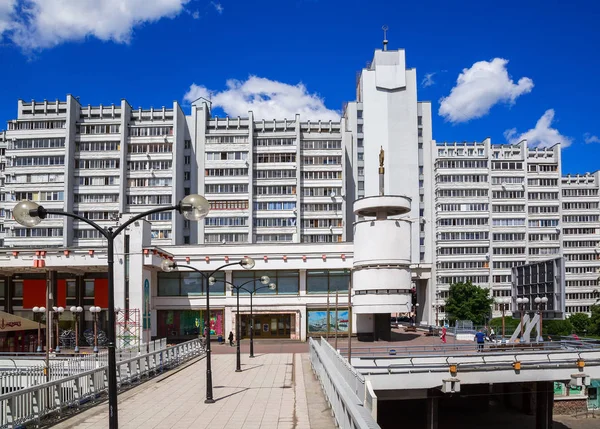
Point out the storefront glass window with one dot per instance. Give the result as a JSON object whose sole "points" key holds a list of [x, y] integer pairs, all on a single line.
{"points": [[18, 289], [241, 277], [287, 282], [89, 288], [272, 279], [338, 281], [317, 281], [168, 284], [191, 283]]}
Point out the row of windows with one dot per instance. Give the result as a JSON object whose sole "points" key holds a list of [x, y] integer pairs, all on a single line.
{"points": [[580, 192], [505, 195], [40, 196], [581, 295], [160, 216], [39, 160], [226, 238], [463, 279], [463, 207], [542, 195], [572, 309], [99, 180], [321, 223], [42, 143], [37, 232], [589, 243], [226, 156], [281, 141], [509, 236], [274, 222], [462, 193], [502, 278], [148, 200], [321, 192], [150, 148], [226, 172], [581, 270], [321, 160], [580, 231], [506, 264], [543, 168], [99, 129], [109, 215], [36, 125], [544, 250], [275, 205], [275, 190], [227, 188], [273, 238], [322, 175], [226, 221], [145, 182], [580, 206], [226, 139], [98, 164], [96, 198], [543, 209], [501, 180], [462, 250], [508, 250], [229, 205], [98, 146], [508, 208], [580, 218], [329, 238], [543, 237], [508, 222], [451, 236], [543, 223], [582, 257], [502, 165], [451, 265], [320, 207], [149, 165], [542, 182], [275, 174], [478, 221], [150, 131], [462, 178], [462, 164], [160, 233], [37, 178], [321, 144]]}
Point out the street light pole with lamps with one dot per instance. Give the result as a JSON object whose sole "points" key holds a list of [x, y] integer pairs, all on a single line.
{"points": [[168, 266], [38, 312], [76, 312], [503, 303], [265, 280], [28, 213], [95, 311], [57, 312], [522, 302], [540, 301]]}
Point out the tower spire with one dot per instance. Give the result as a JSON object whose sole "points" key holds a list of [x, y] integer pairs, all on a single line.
{"points": [[385, 41]]}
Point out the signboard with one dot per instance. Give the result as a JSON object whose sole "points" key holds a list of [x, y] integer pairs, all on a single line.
{"points": [[540, 279], [10, 322]]}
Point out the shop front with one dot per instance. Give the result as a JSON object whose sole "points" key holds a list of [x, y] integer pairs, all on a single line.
{"points": [[184, 325], [269, 325], [18, 334]]}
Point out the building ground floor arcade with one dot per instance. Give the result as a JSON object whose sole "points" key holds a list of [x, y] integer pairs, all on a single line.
{"points": [[154, 303]]}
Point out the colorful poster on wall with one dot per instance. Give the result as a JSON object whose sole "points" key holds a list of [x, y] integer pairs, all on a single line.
{"points": [[559, 389], [342, 320], [317, 321]]}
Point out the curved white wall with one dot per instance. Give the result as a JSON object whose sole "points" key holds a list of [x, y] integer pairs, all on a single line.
{"points": [[381, 242]]}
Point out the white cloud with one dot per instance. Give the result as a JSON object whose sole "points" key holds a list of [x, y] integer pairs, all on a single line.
{"points": [[46, 23], [543, 135], [267, 99], [218, 7], [479, 88], [7, 9], [589, 138], [428, 80]]}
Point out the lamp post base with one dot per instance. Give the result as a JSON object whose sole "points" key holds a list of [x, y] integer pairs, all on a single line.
{"points": [[209, 401], [238, 370], [39, 349], [57, 349], [95, 349], [76, 349]]}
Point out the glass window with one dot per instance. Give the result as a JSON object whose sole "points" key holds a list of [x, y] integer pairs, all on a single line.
{"points": [[241, 277], [18, 289], [287, 282], [71, 289], [1, 289], [272, 279], [219, 287], [168, 284], [191, 283], [317, 282], [89, 288], [338, 280]]}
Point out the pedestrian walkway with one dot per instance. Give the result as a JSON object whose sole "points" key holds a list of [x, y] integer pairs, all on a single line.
{"points": [[273, 391]]}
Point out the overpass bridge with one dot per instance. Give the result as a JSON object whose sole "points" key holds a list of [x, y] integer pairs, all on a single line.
{"points": [[428, 377]]}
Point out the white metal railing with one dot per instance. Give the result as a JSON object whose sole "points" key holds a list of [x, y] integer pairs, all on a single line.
{"points": [[347, 407], [31, 404], [354, 379]]}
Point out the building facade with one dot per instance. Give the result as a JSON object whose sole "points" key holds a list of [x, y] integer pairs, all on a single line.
{"points": [[471, 210]]}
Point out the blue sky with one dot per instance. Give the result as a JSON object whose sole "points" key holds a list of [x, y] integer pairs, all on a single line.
{"points": [[151, 52]]}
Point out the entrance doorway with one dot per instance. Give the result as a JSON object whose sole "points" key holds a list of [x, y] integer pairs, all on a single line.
{"points": [[268, 325]]}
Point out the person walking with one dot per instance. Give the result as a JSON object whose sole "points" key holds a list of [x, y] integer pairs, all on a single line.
{"points": [[443, 337], [480, 338], [231, 338], [492, 334]]}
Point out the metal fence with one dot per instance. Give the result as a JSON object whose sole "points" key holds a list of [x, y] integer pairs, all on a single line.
{"points": [[30, 404], [348, 409]]}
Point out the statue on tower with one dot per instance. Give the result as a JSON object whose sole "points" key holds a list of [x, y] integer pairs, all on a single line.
{"points": [[381, 157]]}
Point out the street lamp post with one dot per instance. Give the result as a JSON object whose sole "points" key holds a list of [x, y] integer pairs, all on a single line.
{"points": [[168, 266], [265, 280], [522, 303], [38, 312], [76, 312], [95, 311], [541, 302], [503, 303], [27, 213], [57, 312]]}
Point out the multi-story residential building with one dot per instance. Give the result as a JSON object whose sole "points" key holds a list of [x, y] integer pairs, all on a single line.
{"points": [[581, 240]]}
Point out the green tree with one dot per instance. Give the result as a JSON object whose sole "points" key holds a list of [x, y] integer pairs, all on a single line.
{"points": [[467, 301], [580, 322], [560, 328], [595, 320]]}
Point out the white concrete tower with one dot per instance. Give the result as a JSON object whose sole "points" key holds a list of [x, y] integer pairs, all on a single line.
{"points": [[382, 258]]}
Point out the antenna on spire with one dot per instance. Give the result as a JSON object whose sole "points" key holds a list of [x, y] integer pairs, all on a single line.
{"points": [[385, 40]]}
